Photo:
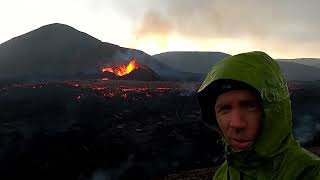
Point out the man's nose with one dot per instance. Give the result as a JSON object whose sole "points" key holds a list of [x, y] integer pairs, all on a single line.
{"points": [[237, 120]]}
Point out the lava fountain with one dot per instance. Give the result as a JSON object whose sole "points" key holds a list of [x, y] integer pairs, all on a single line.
{"points": [[122, 69]]}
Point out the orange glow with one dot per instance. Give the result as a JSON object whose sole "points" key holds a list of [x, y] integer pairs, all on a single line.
{"points": [[121, 70]]}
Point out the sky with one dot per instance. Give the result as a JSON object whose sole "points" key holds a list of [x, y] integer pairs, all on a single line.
{"points": [[281, 28]]}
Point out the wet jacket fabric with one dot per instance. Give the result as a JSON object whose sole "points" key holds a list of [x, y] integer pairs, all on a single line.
{"points": [[275, 153]]}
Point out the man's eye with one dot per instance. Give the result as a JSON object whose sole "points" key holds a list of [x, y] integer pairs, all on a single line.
{"points": [[252, 106], [224, 109]]}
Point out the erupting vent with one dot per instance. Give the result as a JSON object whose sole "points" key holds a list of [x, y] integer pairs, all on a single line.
{"points": [[121, 70]]}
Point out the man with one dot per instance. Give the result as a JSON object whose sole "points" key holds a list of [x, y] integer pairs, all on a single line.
{"points": [[246, 97]]}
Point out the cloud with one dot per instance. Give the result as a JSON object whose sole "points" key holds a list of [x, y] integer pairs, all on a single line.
{"points": [[153, 23], [245, 17], [282, 27], [286, 26]]}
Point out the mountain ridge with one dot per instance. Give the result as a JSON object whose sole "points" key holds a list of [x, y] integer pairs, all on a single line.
{"points": [[293, 71], [58, 50], [204, 59]]}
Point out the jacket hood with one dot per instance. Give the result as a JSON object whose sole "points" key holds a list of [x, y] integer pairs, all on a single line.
{"points": [[261, 72]]}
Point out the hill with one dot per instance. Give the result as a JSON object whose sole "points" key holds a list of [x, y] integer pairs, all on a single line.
{"points": [[196, 62], [299, 72], [314, 62], [201, 62], [58, 50], [54, 49]]}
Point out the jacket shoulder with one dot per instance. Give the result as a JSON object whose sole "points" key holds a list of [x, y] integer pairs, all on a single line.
{"points": [[300, 163], [311, 170], [310, 173]]}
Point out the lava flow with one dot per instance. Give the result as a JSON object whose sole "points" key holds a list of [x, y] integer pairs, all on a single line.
{"points": [[121, 70]]}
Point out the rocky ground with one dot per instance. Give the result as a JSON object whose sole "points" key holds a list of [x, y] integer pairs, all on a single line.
{"points": [[116, 130], [111, 129]]}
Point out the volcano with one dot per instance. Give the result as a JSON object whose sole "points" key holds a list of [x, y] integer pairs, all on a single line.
{"points": [[132, 71], [58, 51]]}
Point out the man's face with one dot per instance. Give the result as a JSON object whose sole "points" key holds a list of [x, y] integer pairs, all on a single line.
{"points": [[239, 116]]}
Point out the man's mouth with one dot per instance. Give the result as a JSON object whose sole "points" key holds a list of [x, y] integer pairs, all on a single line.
{"points": [[240, 144]]}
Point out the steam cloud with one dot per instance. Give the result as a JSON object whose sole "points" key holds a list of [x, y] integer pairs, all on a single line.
{"points": [[307, 127]]}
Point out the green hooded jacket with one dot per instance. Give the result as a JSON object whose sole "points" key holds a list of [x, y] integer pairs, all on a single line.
{"points": [[275, 154]]}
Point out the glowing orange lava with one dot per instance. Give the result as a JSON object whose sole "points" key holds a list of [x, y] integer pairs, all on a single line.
{"points": [[121, 70]]}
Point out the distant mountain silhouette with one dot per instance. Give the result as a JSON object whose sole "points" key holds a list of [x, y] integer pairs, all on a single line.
{"points": [[58, 50], [196, 62], [314, 62], [299, 72], [201, 62]]}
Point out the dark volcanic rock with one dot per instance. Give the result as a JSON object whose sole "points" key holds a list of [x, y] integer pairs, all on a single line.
{"points": [[119, 129], [75, 130]]}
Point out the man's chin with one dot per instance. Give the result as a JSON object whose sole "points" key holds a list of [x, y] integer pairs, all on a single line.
{"points": [[240, 145]]}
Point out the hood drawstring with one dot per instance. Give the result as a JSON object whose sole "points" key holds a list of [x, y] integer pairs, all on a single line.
{"points": [[228, 158]]}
